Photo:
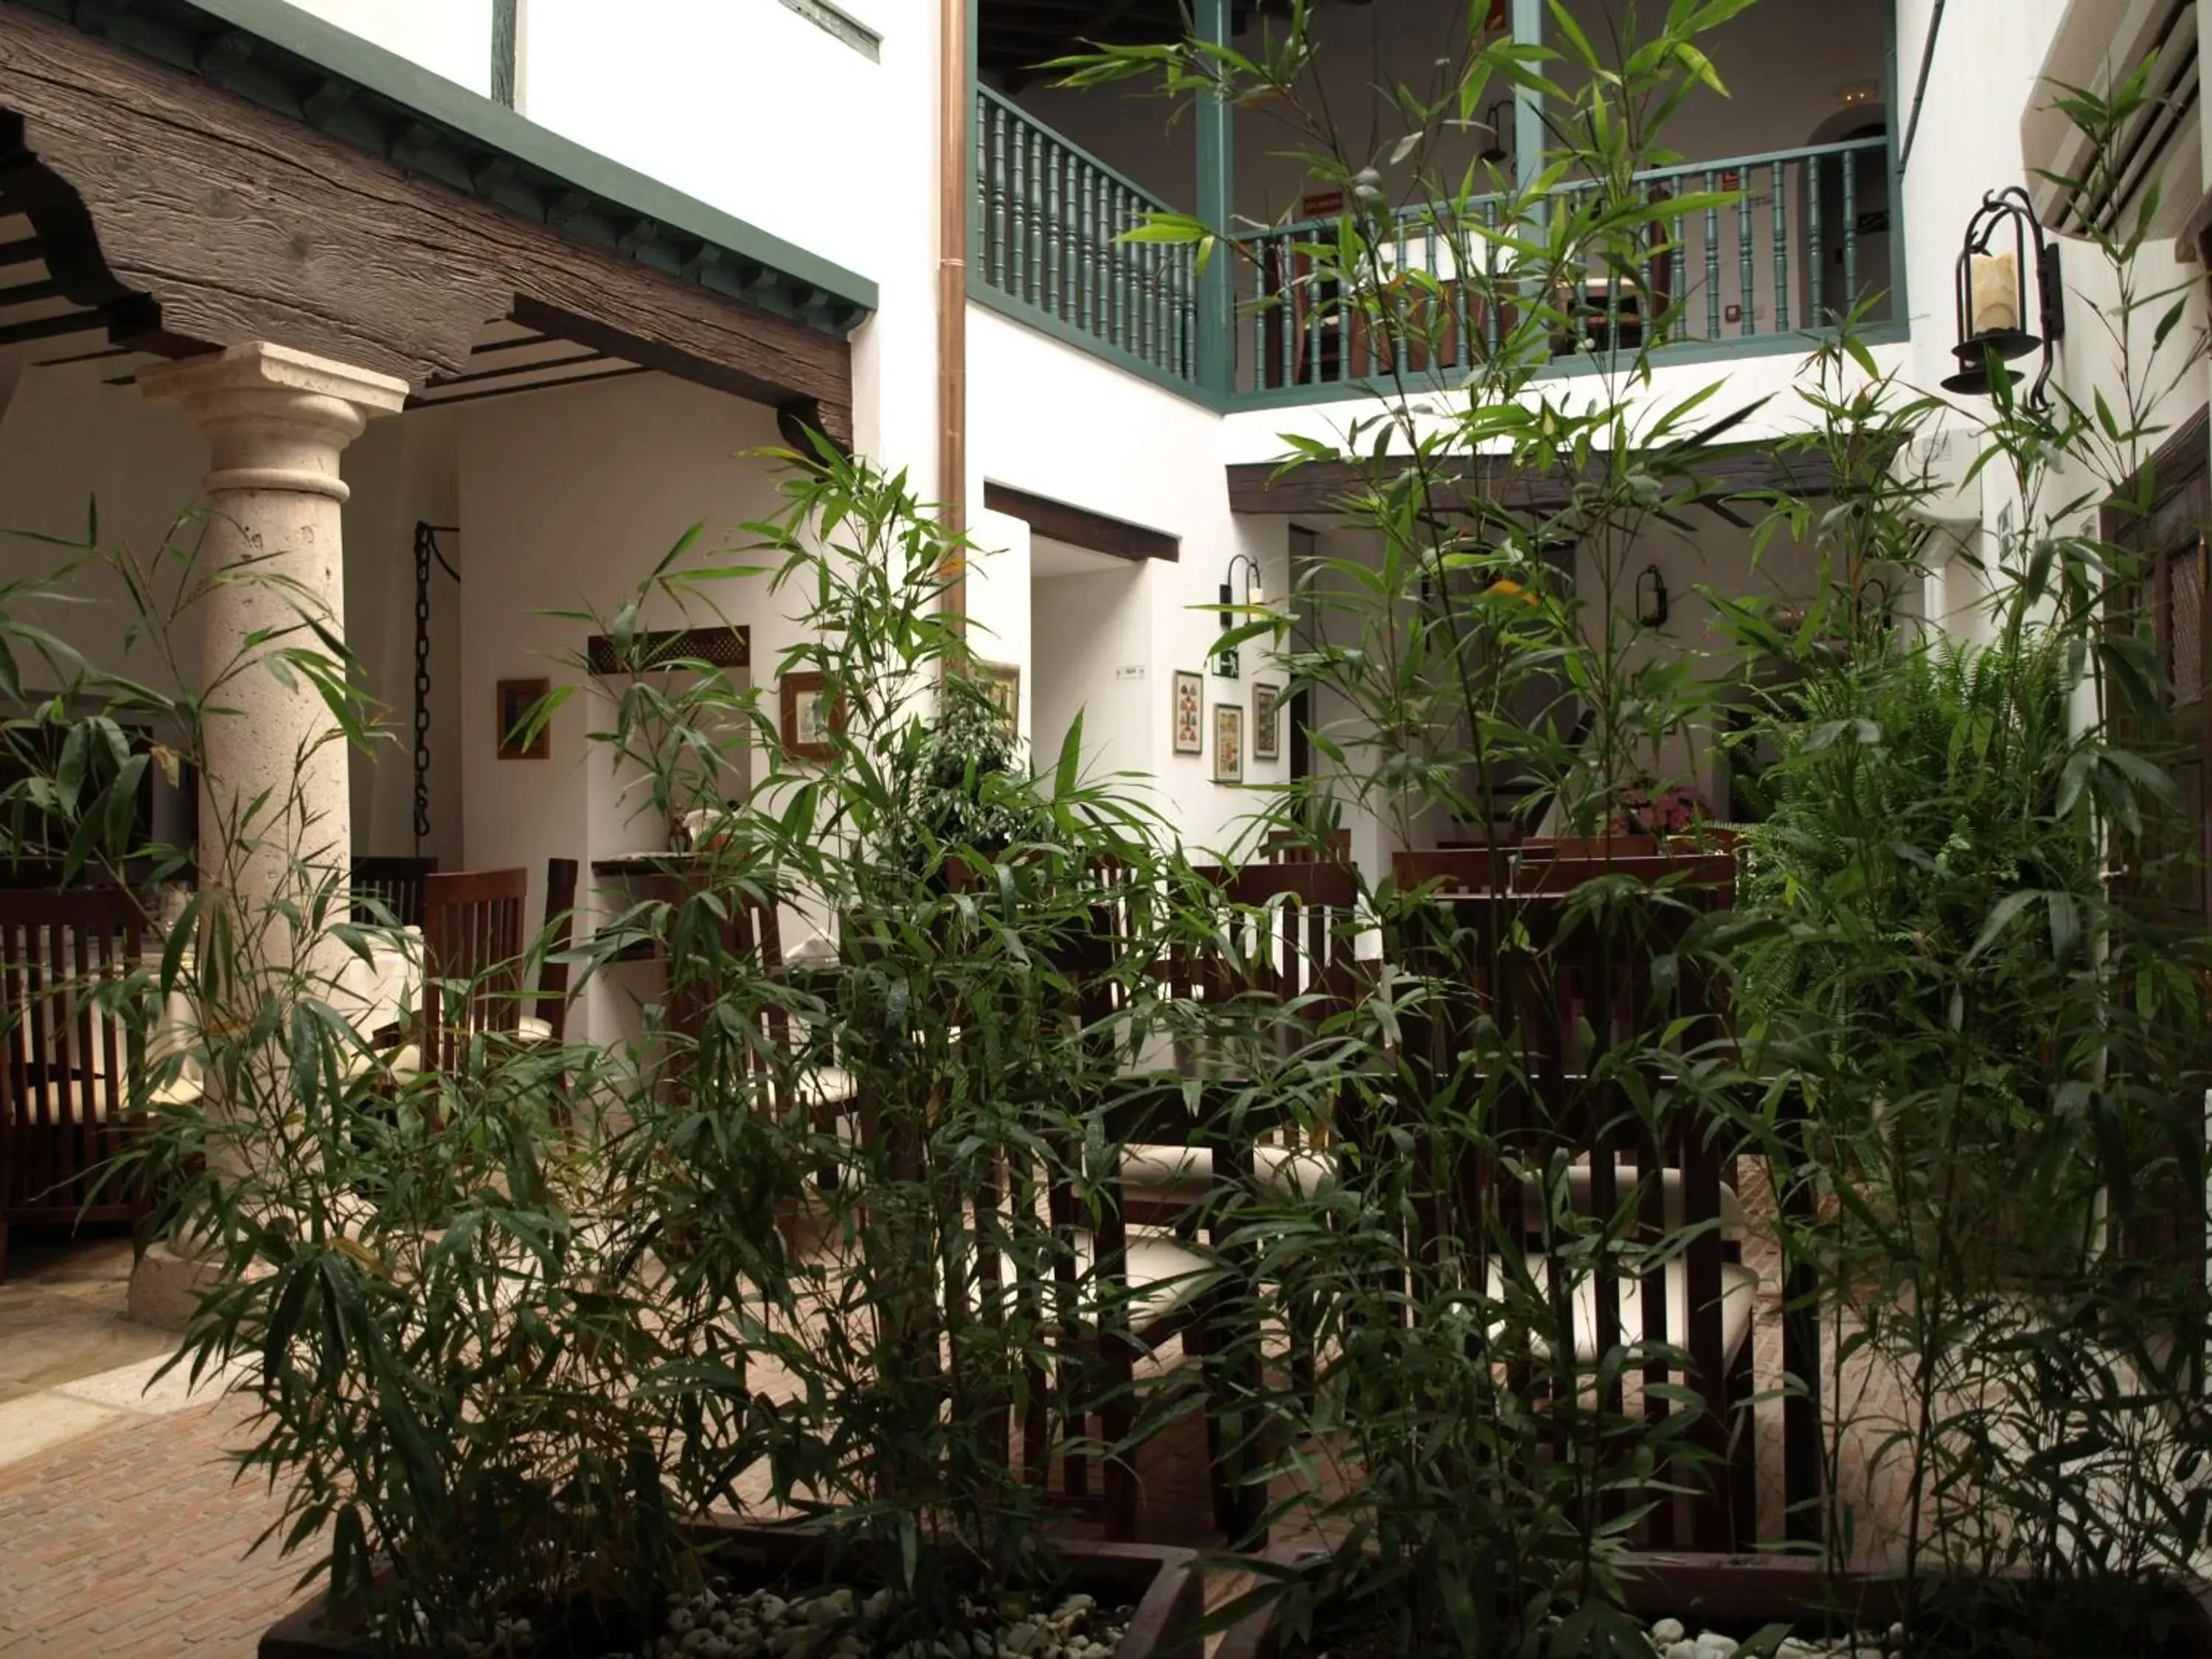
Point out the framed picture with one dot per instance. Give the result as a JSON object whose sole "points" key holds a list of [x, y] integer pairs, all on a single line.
{"points": [[516, 699], [1266, 722], [1229, 743], [809, 724], [1002, 685], [1186, 713]]}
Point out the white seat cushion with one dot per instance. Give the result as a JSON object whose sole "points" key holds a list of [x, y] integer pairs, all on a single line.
{"points": [[1164, 1277], [530, 1029], [1738, 1285], [1624, 1177], [826, 1085], [1279, 1171]]}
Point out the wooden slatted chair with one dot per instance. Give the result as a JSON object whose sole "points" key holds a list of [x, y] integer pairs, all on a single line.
{"points": [[1123, 1287], [1559, 992], [70, 1072], [473, 948], [393, 883], [548, 1018]]}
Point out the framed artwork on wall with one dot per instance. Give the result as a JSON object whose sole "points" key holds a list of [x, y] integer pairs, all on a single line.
{"points": [[1229, 743], [1266, 722], [517, 698], [1186, 713], [809, 724], [1002, 685]]}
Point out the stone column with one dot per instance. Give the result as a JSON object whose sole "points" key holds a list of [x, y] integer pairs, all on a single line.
{"points": [[275, 421], [275, 811]]}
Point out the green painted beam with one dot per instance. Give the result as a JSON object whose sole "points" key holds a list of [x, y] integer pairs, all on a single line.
{"points": [[293, 62]]}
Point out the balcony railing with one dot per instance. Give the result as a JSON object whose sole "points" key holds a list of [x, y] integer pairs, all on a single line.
{"points": [[1048, 244], [1807, 237]]}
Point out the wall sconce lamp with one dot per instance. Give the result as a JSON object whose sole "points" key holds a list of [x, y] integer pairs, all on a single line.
{"points": [[1651, 598], [1228, 665], [1494, 153], [1991, 294]]}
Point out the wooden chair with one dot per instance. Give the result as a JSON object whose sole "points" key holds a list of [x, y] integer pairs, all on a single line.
{"points": [[396, 883], [70, 1072], [550, 1020], [1123, 1285], [1298, 847], [1559, 992], [750, 927], [473, 949]]}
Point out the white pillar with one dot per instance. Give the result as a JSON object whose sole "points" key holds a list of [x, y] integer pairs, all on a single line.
{"points": [[275, 809], [276, 421]]}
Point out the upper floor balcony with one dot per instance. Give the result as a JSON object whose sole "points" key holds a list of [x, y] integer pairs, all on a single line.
{"points": [[1800, 148]]}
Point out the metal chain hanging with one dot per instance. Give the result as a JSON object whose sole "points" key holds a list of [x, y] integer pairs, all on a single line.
{"points": [[426, 549]]}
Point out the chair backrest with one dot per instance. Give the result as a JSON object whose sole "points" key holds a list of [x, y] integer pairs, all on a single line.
{"points": [[557, 934], [472, 940], [396, 883], [65, 1066], [1298, 847], [751, 926], [1567, 997]]}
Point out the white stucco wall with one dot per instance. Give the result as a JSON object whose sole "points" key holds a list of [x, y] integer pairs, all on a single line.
{"points": [[1055, 422], [70, 444], [749, 106], [451, 38], [568, 498]]}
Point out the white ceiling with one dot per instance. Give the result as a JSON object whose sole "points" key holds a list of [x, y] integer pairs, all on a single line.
{"points": [[1049, 558]]}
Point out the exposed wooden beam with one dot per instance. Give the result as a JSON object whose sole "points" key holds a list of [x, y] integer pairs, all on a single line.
{"points": [[239, 224], [1080, 527]]}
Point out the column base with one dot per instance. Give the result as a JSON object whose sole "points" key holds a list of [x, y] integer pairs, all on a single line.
{"points": [[166, 1286]]}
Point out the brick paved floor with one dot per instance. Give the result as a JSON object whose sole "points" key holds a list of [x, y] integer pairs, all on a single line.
{"points": [[131, 1544]]}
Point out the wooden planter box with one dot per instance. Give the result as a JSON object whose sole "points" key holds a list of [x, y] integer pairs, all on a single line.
{"points": [[1162, 1585], [1739, 1593]]}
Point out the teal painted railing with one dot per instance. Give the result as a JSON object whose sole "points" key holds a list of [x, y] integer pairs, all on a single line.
{"points": [[1807, 237], [1047, 245], [1807, 234]]}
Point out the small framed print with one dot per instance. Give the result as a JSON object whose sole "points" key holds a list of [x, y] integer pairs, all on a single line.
{"points": [[1187, 714], [517, 698], [809, 723], [1266, 722], [1002, 683], [1229, 743]]}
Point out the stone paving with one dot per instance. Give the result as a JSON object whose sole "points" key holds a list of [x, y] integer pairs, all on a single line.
{"points": [[125, 1535]]}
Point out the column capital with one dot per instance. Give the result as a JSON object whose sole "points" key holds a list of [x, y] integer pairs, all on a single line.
{"points": [[274, 419]]}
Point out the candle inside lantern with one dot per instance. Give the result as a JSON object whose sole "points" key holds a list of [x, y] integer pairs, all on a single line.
{"points": [[1996, 293]]}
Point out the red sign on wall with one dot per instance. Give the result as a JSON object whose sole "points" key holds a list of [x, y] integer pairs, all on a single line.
{"points": [[1322, 204]]}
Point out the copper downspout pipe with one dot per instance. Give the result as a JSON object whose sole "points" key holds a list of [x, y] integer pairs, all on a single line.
{"points": [[953, 167]]}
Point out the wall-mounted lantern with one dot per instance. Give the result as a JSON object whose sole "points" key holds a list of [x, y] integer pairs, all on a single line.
{"points": [[1229, 662], [2004, 246], [1651, 598]]}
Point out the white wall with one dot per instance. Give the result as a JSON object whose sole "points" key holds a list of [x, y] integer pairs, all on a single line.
{"points": [[1055, 422], [403, 471], [71, 447], [747, 106], [568, 498], [1085, 626], [451, 38], [69, 443], [1983, 76]]}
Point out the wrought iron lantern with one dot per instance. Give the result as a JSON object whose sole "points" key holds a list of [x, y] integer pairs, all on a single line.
{"points": [[1991, 291], [1228, 663], [1651, 598]]}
